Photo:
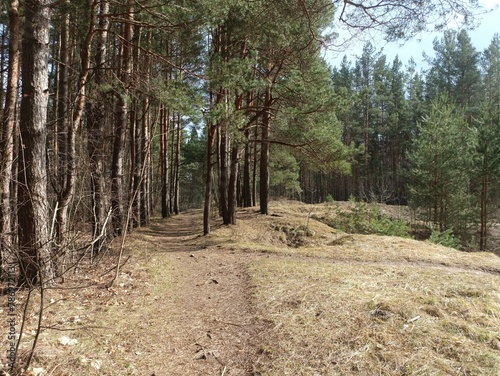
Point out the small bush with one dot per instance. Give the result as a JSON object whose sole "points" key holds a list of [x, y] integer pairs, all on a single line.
{"points": [[445, 238], [365, 220]]}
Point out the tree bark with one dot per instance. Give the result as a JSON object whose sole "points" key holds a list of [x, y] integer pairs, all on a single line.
{"points": [[96, 120], [177, 165], [117, 165], [61, 161], [135, 144], [35, 261], [233, 182], [208, 180], [483, 233], [121, 113], [164, 162], [264, 154], [135, 164], [145, 165], [223, 174], [145, 200], [247, 184], [254, 169], [7, 132]]}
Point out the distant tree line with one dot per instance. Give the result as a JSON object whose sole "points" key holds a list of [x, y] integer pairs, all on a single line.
{"points": [[430, 139]]}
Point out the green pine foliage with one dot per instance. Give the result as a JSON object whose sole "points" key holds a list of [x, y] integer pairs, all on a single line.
{"points": [[446, 238], [440, 163], [365, 219], [284, 171]]}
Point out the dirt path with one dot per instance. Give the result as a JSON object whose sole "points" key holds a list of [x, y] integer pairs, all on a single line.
{"points": [[207, 324]]}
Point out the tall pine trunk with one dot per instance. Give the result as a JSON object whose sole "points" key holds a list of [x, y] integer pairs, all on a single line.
{"points": [[483, 232], [63, 133], [135, 144], [264, 154], [164, 162], [208, 179], [7, 132], [233, 183], [176, 181], [35, 261], [223, 174], [96, 121], [247, 184], [135, 165], [121, 113], [145, 200]]}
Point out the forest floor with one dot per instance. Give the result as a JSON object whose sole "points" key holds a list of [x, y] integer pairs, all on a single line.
{"points": [[277, 295]]}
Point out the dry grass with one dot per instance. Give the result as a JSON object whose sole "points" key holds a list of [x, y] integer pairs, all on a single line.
{"points": [[107, 323], [344, 304], [322, 303], [337, 318]]}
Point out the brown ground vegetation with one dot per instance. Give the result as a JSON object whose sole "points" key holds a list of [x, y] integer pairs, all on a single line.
{"points": [[274, 295]]}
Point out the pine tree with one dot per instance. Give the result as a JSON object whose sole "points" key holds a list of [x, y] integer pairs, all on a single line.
{"points": [[36, 264], [488, 133], [440, 165], [454, 70], [399, 133], [363, 83], [7, 133]]}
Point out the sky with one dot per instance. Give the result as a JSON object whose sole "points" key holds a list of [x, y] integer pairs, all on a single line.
{"points": [[481, 38]]}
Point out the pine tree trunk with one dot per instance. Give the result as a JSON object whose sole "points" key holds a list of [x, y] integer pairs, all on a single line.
{"points": [[145, 200], [247, 184], [66, 136], [117, 165], [35, 261], [121, 113], [61, 125], [135, 166], [254, 169], [172, 166], [96, 119], [164, 162], [177, 165], [233, 183], [366, 156], [95, 123], [483, 233], [7, 132], [145, 166], [223, 175], [264, 154], [208, 180]]}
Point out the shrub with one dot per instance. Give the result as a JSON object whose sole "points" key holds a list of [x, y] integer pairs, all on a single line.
{"points": [[365, 220], [445, 238]]}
